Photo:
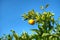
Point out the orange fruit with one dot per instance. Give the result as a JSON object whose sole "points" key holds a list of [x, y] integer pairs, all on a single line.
{"points": [[31, 21]]}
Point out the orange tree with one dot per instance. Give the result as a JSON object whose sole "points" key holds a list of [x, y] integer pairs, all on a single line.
{"points": [[46, 26]]}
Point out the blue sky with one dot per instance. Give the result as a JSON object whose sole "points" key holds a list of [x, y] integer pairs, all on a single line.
{"points": [[12, 10]]}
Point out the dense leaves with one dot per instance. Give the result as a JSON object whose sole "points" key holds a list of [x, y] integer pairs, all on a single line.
{"points": [[48, 27]]}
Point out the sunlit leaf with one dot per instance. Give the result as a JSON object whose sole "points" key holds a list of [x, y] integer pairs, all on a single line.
{"points": [[45, 34]]}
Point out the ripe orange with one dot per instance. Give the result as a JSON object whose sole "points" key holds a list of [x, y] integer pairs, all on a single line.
{"points": [[31, 21]]}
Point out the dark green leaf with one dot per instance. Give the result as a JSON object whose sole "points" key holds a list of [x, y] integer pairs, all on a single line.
{"points": [[46, 5]]}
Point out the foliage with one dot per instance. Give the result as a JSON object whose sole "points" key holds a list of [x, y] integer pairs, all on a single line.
{"points": [[46, 26]]}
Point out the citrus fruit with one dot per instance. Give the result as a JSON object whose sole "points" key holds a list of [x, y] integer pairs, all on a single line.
{"points": [[31, 21]]}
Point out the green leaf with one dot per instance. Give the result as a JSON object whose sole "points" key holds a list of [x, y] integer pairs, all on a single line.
{"points": [[41, 7], [59, 18], [0, 38], [9, 37], [25, 16], [25, 36], [46, 5], [34, 36], [50, 37], [15, 35], [40, 28], [36, 30], [45, 34], [50, 30]]}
